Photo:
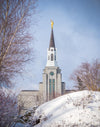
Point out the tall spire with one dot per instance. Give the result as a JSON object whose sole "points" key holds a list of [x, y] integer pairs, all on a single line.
{"points": [[51, 54], [52, 43]]}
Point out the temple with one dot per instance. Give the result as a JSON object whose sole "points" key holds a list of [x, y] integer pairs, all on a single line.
{"points": [[51, 86]]}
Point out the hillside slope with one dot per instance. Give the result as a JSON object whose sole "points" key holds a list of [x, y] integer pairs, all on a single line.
{"points": [[78, 109]]}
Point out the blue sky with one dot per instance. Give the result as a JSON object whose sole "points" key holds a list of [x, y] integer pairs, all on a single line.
{"points": [[76, 33]]}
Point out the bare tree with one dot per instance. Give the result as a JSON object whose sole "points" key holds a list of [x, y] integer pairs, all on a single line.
{"points": [[89, 75], [15, 50], [8, 110], [80, 85]]}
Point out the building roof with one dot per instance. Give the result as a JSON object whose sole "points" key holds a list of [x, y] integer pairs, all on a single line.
{"points": [[52, 43], [30, 90]]}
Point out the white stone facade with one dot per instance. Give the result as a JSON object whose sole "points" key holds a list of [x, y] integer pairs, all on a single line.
{"points": [[52, 79]]}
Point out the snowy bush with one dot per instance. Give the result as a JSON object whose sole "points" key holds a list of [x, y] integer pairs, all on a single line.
{"points": [[79, 109]]}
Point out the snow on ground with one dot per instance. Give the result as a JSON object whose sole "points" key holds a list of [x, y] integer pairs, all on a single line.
{"points": [[78, 109]]}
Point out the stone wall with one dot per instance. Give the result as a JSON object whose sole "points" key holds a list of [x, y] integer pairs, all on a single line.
{"points": [[27, 99]]}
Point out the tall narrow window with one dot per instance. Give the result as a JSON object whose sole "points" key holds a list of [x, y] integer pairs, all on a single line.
{"points": [[53, 88], [55, 57], [51, 57], [49, 87], [47, 90]]}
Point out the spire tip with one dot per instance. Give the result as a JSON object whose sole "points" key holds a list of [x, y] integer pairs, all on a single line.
{"points": [[52, 24]]}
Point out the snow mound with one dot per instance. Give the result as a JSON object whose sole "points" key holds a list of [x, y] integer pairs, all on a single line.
{"points": [[78, 109]]}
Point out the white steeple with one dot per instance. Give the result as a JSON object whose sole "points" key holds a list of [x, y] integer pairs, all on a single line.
{"points": [[51, 51]]}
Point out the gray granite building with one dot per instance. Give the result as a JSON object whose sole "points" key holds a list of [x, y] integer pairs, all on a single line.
{"points": [[52, 85]]}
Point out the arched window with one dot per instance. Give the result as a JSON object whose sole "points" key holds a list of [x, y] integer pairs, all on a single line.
{"points": [[51, 57]]}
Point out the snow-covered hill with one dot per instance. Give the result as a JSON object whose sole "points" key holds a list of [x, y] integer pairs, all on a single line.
{"points": [[78, 109]]}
